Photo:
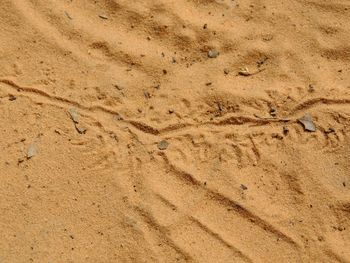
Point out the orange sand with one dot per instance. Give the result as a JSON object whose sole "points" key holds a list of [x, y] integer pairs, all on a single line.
{"points": [[89, 89]]}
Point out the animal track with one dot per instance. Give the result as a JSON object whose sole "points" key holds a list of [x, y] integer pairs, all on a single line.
{"points": [[231, 185]]}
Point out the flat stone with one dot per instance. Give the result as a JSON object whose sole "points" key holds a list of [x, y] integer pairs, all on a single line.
{"points": [[308, 123], [74, 115]]}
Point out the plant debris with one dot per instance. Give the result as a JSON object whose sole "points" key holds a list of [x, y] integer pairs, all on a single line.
{"points": [[163, 145], [308, 123]]}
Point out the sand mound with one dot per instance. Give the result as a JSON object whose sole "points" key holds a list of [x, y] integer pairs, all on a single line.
{"points": [[167, 131]]}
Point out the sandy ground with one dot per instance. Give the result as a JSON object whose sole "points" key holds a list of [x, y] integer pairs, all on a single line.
{"points": [[123, 141]]}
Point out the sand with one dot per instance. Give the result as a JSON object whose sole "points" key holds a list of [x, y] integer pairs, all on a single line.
{"points": [[167, 131]]}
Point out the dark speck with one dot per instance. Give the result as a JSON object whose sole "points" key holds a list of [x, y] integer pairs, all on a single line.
{"points": [[243, 187]]}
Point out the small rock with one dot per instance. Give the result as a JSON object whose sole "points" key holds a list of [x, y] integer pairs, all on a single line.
{"points": [[273, 112], [213, 53], [31, 151], [308, 123], [12, 97], [118, 87], [330, 130], [80, 129], [320, 238], [74, 115], [118, 117], [226, 71], [311, 88], [68, 15], [285, 130], [340, 228], [244, 72], [103, 16], [277, 136], [243, 187], [267, 38], [163, 145]]}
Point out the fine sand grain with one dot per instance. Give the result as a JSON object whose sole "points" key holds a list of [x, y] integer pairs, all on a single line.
{"points": [[175, 131]]}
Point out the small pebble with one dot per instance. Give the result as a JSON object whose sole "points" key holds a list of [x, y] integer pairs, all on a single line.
{"points": [[320, 238], [273, 112], [163, 145], [277, 136], [80, 129], [330, 130], [12, 97], [213, 53], [311, 88], [340, 228], [74, 115], [117, 117], [31, 151], [103, 16], [243, 187]]}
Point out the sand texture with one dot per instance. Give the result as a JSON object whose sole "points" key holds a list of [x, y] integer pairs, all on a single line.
{"points": [[174, 131]]}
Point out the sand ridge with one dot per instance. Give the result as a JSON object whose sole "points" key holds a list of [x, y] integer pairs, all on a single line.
{"points": [[238, 179]]}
